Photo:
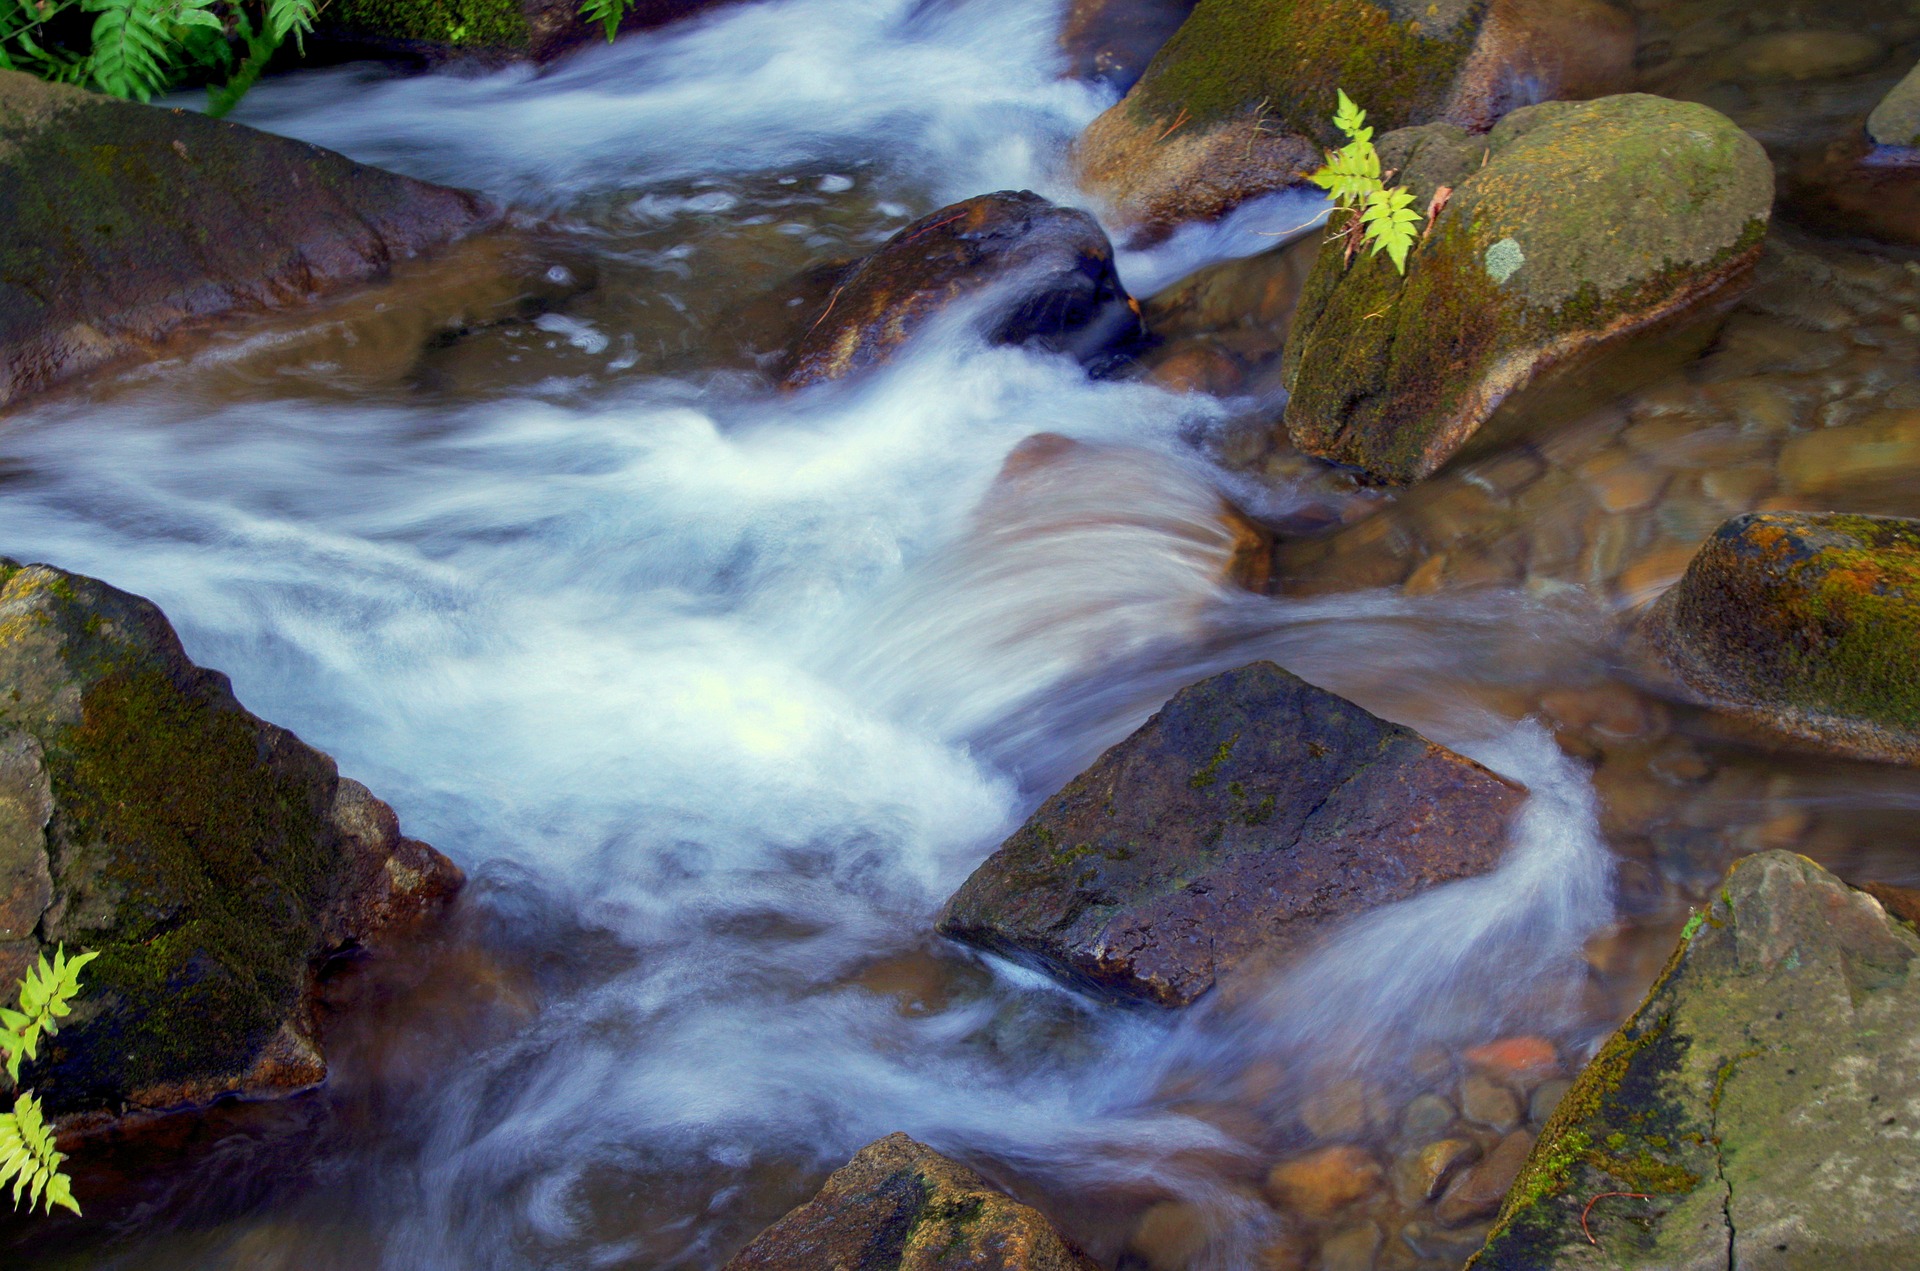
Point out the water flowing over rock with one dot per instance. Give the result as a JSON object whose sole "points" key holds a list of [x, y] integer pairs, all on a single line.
{"points": [[1238, 102], [127, 221], [901, 1206], [1253, 810], [1587, 221], [1808, 625], [1045, 272], [1754, 1111], [210, 858]]}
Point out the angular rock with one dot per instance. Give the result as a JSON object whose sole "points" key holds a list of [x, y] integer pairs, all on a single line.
{"points": [[1238, 102], [1896, 120], [1806, 624], [1760, 1097], [900, 1206], [211, 859], [1248, 814], [1046, 272], [125, 222], [484, 30], [1588, 221]]}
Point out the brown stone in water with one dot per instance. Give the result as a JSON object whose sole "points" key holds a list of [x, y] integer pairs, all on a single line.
{"points": [[1902, 902], [900, 1206], [1052, 267], [1250, 812], [1478, 1192], [1318, 1184]]}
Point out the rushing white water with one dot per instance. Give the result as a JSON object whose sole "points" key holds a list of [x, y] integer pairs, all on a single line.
{"points": [[732, 689]]}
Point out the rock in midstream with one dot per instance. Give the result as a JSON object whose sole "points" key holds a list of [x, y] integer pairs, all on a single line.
{"points": [[125, 222], [1805, 624], [1569, 225], [1754, 1112], [211, 859], [899, 1205], [1045, 272], [1250, 812]]}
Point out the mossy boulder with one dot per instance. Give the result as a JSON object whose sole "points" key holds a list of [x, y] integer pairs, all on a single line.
{"points": [[211, 859], [1239, 102], [1570, 225], [901, 1206], [1757, 1105], [1807, 625], [125, 222], [484, 30], [1896, 120], [1041, 274], [1252, 811]]}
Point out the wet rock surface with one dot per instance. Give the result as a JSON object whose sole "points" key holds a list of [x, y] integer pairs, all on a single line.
{"points": [[127, 222], [1755, 1104], [1044, 273], [1246, 815], [900, 1206], [1578, 224], [1896, 120], [211, 859], [489, 31], [1808, 624]]}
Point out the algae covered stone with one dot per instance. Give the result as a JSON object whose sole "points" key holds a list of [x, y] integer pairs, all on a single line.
{"points": [[211, 859], [1250, 812], [1757, 1105], [1580, 222], [1896, 120], [1807, 624], [901, 1206]]}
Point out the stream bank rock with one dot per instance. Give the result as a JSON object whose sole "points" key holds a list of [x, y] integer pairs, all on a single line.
{"points": [[1588, 221], [1044, 273], [487, 31], [1761, 1098], [901, 1206], [125, 222], [1805, 624], [210, 858], [1249, 813], [1239, 102]]}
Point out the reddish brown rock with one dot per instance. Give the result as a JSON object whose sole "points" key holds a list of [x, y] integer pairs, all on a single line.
{"points": [[1856, 189], [1250, 812], [900, 1206], [1324, 1181], [1048, 272]]}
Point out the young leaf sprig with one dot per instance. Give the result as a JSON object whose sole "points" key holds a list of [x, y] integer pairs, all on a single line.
{"points": [[28, 1158], [1377, 217]]}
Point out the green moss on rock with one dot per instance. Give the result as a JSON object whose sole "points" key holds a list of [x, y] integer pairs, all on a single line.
{"points": [[457, 24]]}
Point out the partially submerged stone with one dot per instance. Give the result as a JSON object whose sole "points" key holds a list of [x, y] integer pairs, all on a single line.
{"points": [[1238, 102], [901, 1206], [211, 859], [1866, 184], [1807, 624], [1896, 120], [1044, 273], [1577, 224], [1756, 1106], [1252, 811], [125, 222]]}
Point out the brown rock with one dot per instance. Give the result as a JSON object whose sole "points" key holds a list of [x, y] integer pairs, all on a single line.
{"points": [[1478, 1192], [1049, 268], [900, 1206], [1420, 1173], [1351, 1248], [1902, 902], [1853, 187], [1111, 41], [1318, 1184], [1170, 1235], [1249, 812], [1520, 1060], [1485, 1100]]}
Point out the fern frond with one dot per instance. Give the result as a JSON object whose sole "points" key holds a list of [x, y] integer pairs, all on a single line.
{"points": [[1390, 224], [131, 47], [29, 1160], [46, 997], [607, 13], [291, 18], [1350, 119]]}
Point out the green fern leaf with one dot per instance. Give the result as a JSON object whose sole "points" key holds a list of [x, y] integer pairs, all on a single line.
{"points": [[131, 47], [607, 13], [29, 1160], [46, 997], [1390, 224], [291, 17]]}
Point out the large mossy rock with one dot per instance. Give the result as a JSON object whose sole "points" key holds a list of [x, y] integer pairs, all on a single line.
{"points": [[210, 859], [484, 30], [1239, 102], [124, 222], [1572, 224], [1805, 624], [901, 1206], [1761, 1099], [1252, 811], [1043, 273]]}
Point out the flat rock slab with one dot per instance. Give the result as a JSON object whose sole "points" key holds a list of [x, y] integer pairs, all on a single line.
{"points": [[1253, 810], [1760, 1103], [901, 1206]]}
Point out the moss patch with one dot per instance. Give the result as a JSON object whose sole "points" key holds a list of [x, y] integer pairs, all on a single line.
{"points": [[466, 24]]}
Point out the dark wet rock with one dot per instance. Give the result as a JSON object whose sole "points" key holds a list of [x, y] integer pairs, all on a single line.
{"points": [[1760, 1097], [1852, 188], [1896, 120], [1587, 222], [1252, 811], [900, 1206], [1112, 41], [125, 222], [210, 859], [482, 30], [1238, 102], [1806, 624], [1237, 310], [1044, 272]]}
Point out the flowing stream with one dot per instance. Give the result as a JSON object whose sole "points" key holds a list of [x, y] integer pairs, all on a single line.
{"points": [[717, 693]]}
